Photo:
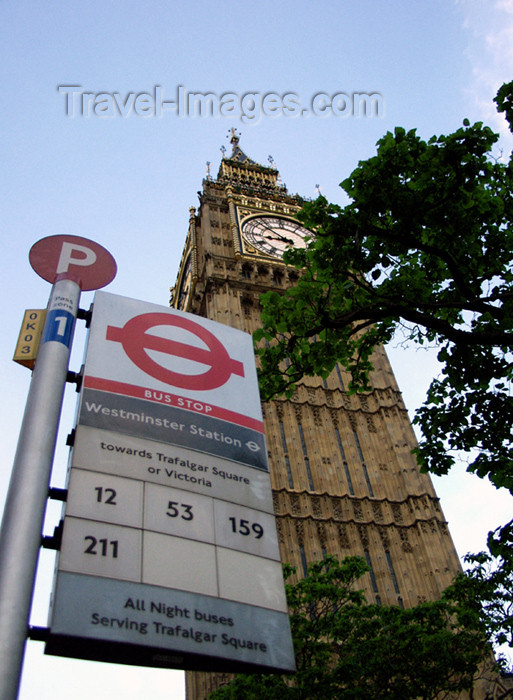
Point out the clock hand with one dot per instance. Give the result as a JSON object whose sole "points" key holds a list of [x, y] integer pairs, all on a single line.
{"points": [[272, 229], [277, 235], [280, 238]]}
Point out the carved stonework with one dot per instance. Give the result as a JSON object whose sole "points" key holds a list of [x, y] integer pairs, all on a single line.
{"points": [[370, 424], [397, 512], [385, 539], [321, 490], [295, 505], [342, 537], [364, 536], [358, 510], [378, 512], [276, 502], [279, 528], [337, 508], [316, 506], [405, 542], [321, 532], [334, 415]]}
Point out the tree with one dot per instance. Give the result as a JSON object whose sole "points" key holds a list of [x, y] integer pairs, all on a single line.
{"points": [[425, 248], [489, 579], [347, 649], [426, 245]]}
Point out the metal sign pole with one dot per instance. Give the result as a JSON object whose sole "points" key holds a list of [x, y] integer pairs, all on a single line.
{"points": [[20, 536]]}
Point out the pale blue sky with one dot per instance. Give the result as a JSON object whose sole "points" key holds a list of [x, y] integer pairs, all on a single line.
{"points": [[128, 182]]}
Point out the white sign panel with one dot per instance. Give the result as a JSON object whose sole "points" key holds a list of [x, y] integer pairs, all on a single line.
{"points": [[169, 501], [170, 465], [174, 358]]}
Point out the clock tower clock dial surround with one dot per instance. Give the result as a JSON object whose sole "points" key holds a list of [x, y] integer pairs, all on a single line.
{"points": [[273, 235]]}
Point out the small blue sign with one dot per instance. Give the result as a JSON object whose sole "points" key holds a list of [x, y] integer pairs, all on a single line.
{"points": [[59, 327]]}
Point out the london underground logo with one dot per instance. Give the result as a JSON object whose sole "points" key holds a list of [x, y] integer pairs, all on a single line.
{"points": [[136, 341]]}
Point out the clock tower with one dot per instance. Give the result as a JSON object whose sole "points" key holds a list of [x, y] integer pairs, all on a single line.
{"points": [[343, 476]]}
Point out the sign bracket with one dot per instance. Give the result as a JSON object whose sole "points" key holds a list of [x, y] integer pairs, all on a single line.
{"points": [[57, 494], [75, 378], [38, 634], [85, 315], [53, 541]]}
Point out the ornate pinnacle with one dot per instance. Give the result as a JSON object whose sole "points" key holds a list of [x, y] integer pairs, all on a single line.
{"points": [[235, 137]]}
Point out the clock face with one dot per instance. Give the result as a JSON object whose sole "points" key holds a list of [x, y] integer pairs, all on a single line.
{"points": [[273, 235]]}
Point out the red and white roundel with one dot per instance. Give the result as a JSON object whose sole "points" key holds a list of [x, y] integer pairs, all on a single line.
{"points": [[136, 342], [137, 348]]}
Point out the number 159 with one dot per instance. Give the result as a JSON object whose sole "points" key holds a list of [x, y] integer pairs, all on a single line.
{"points": [[244, 527]]}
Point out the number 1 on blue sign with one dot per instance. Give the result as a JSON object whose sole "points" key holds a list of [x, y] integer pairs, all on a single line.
{"points": [[59, 327]]}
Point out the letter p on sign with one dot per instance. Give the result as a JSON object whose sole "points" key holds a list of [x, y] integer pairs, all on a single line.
{"points": [[85, 262], [74, 254]]}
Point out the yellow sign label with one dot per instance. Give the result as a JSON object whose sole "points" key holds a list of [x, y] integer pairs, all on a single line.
{"points": [[30, 337]]}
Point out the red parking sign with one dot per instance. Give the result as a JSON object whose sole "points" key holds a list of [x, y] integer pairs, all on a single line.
{"points": [[85, 262]]}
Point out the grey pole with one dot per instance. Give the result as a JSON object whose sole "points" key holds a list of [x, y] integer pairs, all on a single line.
{"points": [[20, 535]]}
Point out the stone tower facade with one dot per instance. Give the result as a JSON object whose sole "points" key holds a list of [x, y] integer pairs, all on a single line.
{"points": [[344, 479]]}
